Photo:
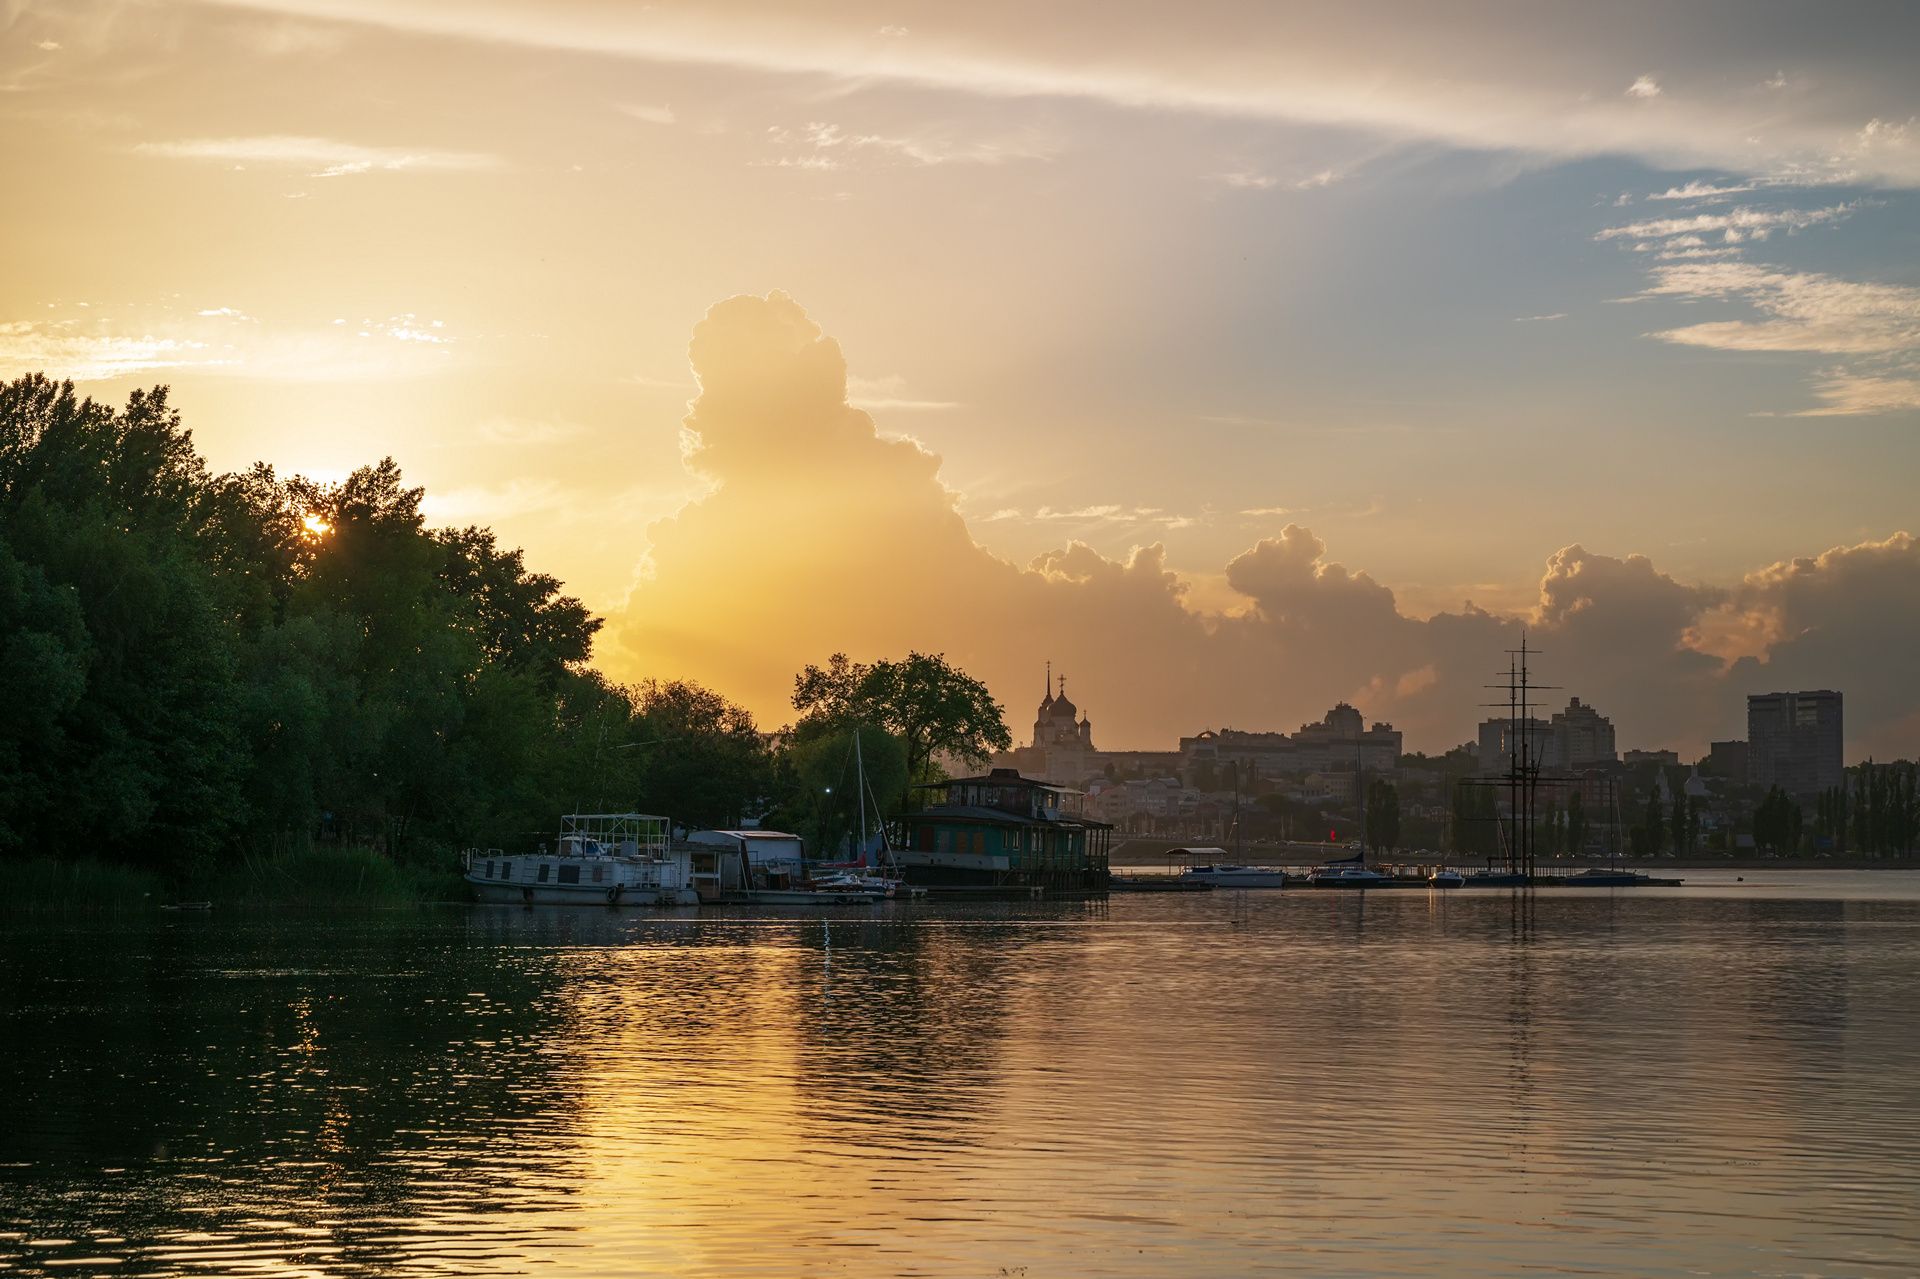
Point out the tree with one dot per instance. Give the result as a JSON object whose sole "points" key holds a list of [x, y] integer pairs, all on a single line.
{"points": [[1653, 827], [1383, 815], [1576, 824], [708, 765], [932, 706]]}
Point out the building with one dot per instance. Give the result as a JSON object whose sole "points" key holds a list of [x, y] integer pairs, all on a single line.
{"points": [[1062, 747], [1726, 759], [1003, 831], [1575, 738], [1667, 759], [1500, 737], [1339, 742], [1795, 741], [1581, 737]]}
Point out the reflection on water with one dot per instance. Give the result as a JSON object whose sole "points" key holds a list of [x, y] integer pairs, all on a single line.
{"points": [[1716, 1081]]}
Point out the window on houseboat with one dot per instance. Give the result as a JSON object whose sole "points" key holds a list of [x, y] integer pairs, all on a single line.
{"points": [[945, 839], [489, 870], [544, 870], [569, 874], [925, 840], [506, 870], [599, 874], [979, 841]]}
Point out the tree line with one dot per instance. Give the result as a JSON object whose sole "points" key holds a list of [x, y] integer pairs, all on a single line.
{"points": [[200, 666]]}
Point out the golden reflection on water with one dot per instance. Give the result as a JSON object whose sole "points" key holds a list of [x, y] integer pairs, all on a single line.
{"points": [[1701, 1082]]}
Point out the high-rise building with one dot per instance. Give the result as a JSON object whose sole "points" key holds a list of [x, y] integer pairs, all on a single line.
{"points": [[1794, 741], [1582, 737]]}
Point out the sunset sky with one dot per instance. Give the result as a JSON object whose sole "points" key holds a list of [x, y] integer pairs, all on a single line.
{"points": [[1220, 353]]}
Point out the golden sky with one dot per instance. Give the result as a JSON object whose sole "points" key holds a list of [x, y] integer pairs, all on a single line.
{"points": [[1106, 334]]}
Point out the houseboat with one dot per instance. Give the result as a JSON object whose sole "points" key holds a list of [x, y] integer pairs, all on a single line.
{"points": [[599, 859], [1003, 833]]}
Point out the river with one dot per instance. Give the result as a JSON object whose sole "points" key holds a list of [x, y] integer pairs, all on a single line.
{"points": [[1722, 1079]]}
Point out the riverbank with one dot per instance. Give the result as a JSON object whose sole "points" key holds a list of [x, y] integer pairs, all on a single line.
{"points": [[319, 877]]}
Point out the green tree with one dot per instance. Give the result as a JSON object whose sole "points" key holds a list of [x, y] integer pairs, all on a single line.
{"points": [[1383, 815], [934, 707], [1576, 832]]}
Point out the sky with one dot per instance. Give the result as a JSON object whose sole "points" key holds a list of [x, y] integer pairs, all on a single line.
{"points": [[1236, 358]]}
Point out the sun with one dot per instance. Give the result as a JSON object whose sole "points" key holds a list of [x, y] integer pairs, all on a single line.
{"points": [[315, 526]]}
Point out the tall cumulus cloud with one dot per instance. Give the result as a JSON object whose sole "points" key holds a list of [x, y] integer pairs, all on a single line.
{"points": [[819, 534]]}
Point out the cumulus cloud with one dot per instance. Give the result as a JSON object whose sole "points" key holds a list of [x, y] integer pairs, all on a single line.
{"points": [[1644, 87], [818, 533]]}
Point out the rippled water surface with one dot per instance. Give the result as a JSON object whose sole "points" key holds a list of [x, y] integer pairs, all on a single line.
{"points": [[1716, 1080]]}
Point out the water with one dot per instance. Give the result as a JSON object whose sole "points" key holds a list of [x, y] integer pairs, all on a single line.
{"points": [[1718, 1080]]}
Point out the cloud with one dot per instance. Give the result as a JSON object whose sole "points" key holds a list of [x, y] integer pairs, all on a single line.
{"points": [[649, 114], [1842, 619], [1734, 224], [1530, 319], [1406, 71], [1804, 310], [826, 146], [322, 157], [890, 393], [818, 534], [94, 346], [1697, 190]]}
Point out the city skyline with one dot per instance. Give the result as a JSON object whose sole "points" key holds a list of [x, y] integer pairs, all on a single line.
{"points": [[1240, 365]]}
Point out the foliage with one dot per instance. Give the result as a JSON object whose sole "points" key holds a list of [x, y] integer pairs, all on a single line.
{"points": [[932, 706], [1776, 823], [1383, 816], [207, 673]]}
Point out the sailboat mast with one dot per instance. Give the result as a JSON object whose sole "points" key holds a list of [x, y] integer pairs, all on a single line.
{"points": [[860, 784]]}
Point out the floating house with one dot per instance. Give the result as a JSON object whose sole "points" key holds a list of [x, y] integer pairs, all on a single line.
{"points": [[1003, 832]]}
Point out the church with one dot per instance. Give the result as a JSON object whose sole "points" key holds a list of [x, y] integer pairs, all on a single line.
{"points": [[1062, 748]]}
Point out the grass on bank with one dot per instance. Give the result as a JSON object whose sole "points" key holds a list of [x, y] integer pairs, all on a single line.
{"points": [[330, 877]]}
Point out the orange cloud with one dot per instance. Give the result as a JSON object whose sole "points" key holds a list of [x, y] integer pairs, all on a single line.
{"points": [[819, 534]]}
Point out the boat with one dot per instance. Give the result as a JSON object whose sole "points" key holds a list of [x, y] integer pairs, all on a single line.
{"points": [[1496, 879], [1603, 877], [1343, 875], [1219, 873], [599, 859], [1157, 884], [1446, 877]]}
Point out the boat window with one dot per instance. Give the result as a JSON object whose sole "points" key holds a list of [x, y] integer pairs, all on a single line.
{"points": [[489, 870], [945, 839], [599, 874], [979, 841], [544, 870], [506, 870], [569, 874]]}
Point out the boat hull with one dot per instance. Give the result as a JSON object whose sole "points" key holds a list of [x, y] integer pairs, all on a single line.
{"points": [[601, 895]]}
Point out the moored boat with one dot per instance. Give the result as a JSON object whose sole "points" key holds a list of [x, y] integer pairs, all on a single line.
{"points": [[1209, 866], [1446, 877], [1347, 876], [600, 859]]}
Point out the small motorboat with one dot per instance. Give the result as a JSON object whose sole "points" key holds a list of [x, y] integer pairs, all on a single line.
{"points": [[1446, 877]]}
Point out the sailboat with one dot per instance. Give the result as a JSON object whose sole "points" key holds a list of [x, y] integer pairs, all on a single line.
{"points": [[856, 876]]}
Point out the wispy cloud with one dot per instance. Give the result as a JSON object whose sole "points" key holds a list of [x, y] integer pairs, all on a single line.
{"points": [[889, 393], [1697, 190], [322, 157], [1530, 319], [649, 114], [1538, 92], [824, 146], [92, 345], [1733, 224]]}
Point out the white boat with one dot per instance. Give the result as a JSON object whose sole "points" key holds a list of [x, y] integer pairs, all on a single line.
{"points": [[1347, 877], [1447, 877], [1230, 876], [600, 859], [803, 897], [1206, 866]]}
